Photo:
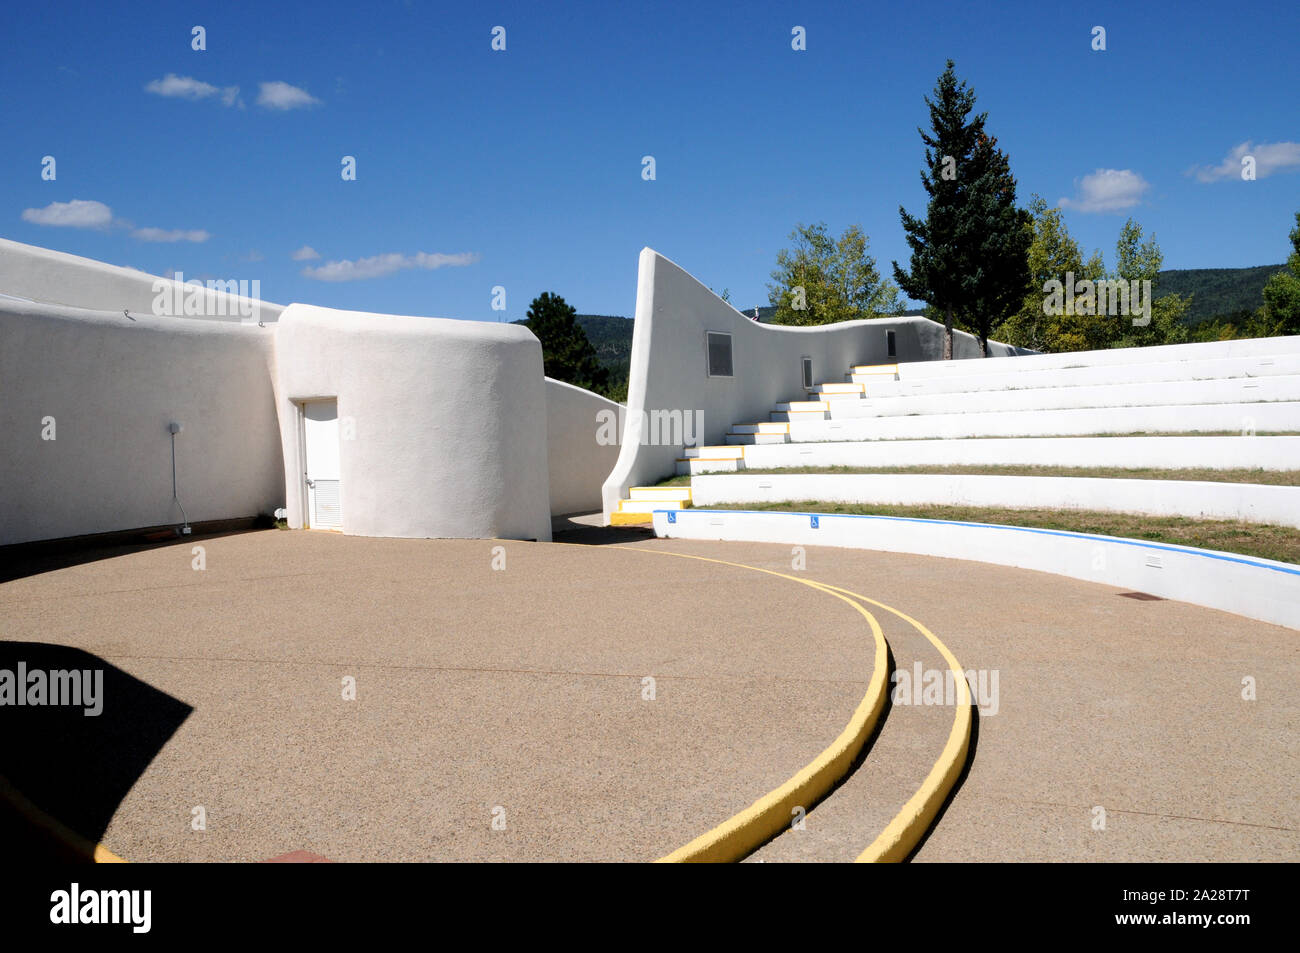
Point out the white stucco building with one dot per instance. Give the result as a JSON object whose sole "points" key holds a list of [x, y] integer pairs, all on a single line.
{"points": [[368, 424]]}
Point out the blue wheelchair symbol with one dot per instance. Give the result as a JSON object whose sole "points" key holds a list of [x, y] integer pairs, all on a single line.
{"points": [[814, 522]]}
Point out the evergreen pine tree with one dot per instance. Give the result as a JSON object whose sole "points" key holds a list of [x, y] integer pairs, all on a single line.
{"points": [[938, 273], [566, 353], [970, 254], [997, 234]]}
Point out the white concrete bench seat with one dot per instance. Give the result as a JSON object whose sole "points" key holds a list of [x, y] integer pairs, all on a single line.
{"points": [[1255, 503], [1275, 416], [1084, 376], [1168, 452], [1149, 394]]}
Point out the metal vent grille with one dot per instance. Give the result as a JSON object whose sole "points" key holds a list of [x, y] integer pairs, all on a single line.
{"points": [[327, 511], [719, 346], [807, 373], [891, 343]]}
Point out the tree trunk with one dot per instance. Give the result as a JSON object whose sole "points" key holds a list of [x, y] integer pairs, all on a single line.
{"points": [[947, 335], [984, 345]]}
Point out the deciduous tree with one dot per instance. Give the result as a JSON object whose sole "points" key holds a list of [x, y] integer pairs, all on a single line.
{"points": [[820, 280]]}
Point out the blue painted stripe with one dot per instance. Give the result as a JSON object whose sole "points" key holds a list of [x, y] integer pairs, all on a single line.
{"points": [[1165, 547]]}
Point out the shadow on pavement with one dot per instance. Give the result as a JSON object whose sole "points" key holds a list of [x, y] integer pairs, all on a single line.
{"points": [[585, 530], [73, 766], [30, 559]]}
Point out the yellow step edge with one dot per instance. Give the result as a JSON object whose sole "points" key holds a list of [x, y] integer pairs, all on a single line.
{"points": [[630, 519]]}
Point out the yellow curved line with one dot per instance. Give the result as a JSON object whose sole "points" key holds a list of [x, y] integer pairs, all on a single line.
{"points": [[769, 815], [905, 831], [762, 820], [65, 838]]}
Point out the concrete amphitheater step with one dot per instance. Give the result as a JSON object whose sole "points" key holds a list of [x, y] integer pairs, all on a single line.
{"points": [[745, 439], [1266, 453], [1193, 499], [1116, 357], [1242, 417], [713, 452], [1147, 394], [1091, 375]]}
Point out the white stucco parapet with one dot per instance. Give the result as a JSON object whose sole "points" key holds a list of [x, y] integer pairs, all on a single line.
{"points": [[55, 277]]}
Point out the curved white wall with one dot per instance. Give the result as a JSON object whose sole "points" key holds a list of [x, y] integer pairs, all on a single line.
{"points": [[669, 364], [1256, 588], [112, 385], [448, 422], [40, 274], [579, 458]]}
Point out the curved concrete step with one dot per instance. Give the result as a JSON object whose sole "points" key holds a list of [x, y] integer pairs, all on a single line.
{"points": [[897, 761]]}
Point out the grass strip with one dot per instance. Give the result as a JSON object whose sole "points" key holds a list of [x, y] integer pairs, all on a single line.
{"points": [[1281, 543], [1204, 474]]}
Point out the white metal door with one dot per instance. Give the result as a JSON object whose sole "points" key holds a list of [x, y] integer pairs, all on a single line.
{"points": [[320, 420]]}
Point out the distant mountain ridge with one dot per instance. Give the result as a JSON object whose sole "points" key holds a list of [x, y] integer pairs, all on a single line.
{"points": [[1217, 292]]}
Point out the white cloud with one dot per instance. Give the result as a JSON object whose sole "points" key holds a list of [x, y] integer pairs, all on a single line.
{"points": [[172, 235], [278, 95], [79, 213], [1270, 157], [1107, 190], [85, 213], [381, 265], [187, 87], [305, 253]]}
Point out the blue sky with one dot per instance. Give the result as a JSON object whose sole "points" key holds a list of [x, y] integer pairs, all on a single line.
{"points": [[523, 168]]}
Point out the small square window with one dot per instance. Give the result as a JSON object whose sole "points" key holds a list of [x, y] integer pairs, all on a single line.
{"points": [[719, 353]]}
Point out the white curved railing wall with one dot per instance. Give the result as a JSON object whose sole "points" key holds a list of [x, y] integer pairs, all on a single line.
{"points": [[669, 371], [1256, 588]]}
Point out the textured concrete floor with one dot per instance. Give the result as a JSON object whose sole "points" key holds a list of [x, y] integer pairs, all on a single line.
{"points": [[521, 689]]}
